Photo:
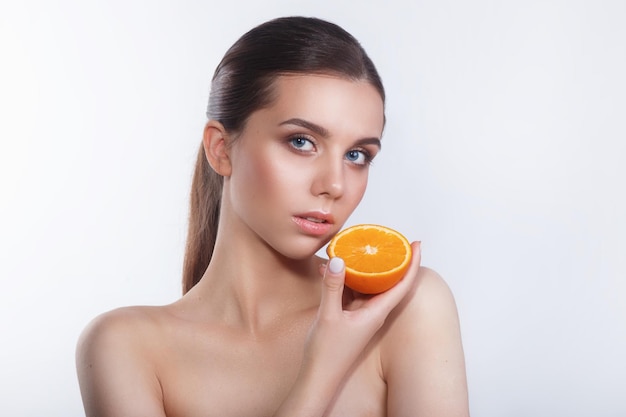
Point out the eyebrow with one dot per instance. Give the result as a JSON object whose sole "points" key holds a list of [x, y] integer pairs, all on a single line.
{"points": [[323, 132]]}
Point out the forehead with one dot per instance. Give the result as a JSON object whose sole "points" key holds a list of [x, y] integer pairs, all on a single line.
{"points": [[338, 104]]}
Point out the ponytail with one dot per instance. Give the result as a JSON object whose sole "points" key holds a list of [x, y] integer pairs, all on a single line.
{"points": [[206, 192]]}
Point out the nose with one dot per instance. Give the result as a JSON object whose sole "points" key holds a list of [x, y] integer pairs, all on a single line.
{"points": [[329, 181]]}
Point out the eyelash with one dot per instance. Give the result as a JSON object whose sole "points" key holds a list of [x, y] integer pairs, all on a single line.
{"points": [[299, 138], [367, 156]]}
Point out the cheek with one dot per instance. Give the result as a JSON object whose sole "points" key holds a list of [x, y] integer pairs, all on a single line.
{"points": [[289, 180], [269, 177], [359, 185], [354, 186]]}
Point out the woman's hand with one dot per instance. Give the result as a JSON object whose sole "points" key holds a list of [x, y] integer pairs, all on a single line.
{"points": [[346, 322]]}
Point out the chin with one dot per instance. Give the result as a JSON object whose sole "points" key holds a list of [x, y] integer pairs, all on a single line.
{"points": [[301, 250]]}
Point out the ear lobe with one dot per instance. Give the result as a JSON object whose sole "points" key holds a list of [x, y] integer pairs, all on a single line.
{"points": [[216, 147]]}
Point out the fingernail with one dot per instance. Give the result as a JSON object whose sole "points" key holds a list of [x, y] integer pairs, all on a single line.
{"points": [[335, 266]]}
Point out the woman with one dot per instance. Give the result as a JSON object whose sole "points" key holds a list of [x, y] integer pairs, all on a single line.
{"points": [[265, 327]]}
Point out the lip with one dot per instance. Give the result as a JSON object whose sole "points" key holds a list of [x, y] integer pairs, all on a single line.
{"points": [[314, 223], [322, 216]]}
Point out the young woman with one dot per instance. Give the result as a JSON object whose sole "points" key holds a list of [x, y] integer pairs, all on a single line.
{"points": [[265, 327]]}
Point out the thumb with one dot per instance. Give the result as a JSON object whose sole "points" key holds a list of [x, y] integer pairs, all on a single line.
{"points": [[332, 285]]}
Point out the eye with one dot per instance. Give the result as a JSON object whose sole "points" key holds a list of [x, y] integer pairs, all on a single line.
{"points": [[302, 144], [358, 157]]}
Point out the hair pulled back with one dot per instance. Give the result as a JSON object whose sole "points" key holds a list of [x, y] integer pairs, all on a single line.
{"points": [[242, 84]]}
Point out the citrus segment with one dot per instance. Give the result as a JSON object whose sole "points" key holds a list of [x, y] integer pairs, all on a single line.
{"points": [[376, 257]]}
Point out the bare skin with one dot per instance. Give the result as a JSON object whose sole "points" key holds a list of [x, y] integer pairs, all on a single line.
{"points": [[270, 329]]}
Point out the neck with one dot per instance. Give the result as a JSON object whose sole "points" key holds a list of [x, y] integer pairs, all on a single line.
{"points": [[250, 285]]}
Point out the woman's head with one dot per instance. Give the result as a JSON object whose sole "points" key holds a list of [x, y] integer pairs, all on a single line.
{"points": [[244, 82]]}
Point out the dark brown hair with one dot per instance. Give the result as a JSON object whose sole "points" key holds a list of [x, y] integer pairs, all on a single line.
{"points": [[242, 84]]}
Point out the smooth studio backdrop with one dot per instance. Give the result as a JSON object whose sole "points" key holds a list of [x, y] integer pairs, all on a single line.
{"points": [[503, 153]]}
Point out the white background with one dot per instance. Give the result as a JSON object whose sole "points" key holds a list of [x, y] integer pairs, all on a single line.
{"points": [[504, 153]]}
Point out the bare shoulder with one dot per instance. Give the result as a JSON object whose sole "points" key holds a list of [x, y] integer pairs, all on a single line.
{"points": [[121, 336], [422, 353], [430, 297], [427, 314], [122, 326], [428, 307], [431, 294], [116, 370]]}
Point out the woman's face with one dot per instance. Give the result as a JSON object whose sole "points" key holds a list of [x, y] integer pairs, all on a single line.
{"points": [[300, 166]]}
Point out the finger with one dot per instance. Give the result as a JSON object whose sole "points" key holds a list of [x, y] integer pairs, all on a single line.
{"points": [[332, 286]]}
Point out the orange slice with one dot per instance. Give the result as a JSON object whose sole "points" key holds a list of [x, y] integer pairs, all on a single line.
{"points": [[376, 257]]}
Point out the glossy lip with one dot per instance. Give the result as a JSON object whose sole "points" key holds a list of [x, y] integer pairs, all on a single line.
{"points": [[314, 227]]}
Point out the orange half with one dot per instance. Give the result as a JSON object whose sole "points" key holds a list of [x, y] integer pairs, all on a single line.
{"points": [[376, 257]]}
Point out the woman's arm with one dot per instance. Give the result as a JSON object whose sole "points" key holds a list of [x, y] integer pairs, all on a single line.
{"points": [[115, 375], [343, 328], [422, 354]]}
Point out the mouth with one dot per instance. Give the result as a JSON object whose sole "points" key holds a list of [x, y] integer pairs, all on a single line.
{"points": [[315, 220], [314, 223], [317, 217]]}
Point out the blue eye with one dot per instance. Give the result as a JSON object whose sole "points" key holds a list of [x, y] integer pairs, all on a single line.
{"points": [[358, 157], [301, 143]]}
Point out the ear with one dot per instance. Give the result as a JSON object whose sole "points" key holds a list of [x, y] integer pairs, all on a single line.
{"points": [[215, 142]]}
